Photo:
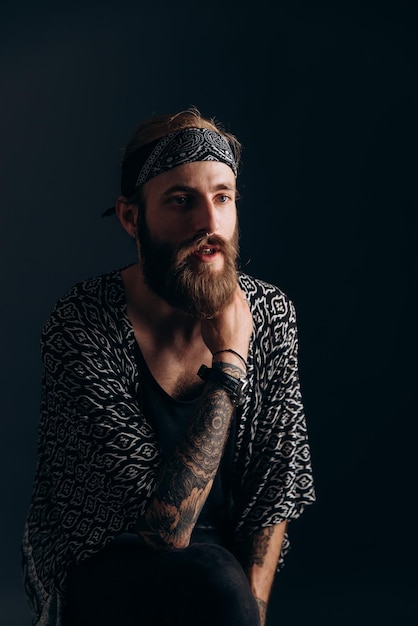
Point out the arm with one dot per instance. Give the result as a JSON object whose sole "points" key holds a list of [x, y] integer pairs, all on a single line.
{"points": [[187, 476], [276, 483], [260, 563]]}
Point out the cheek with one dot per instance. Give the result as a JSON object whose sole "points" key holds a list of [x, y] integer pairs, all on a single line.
{"points": [[230, 226], [157, 224]]}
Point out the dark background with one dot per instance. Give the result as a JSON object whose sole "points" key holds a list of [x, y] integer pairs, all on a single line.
{"points": [[324, 97]]}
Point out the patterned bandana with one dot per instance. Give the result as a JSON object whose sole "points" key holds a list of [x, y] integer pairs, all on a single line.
{"points": [[183, 146]]}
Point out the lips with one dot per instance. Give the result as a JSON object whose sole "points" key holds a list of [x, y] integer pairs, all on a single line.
{"points": [[206, 252]]}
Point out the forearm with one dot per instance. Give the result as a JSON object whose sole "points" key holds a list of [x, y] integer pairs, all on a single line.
{"points": [[259, 557], [187, 476]]}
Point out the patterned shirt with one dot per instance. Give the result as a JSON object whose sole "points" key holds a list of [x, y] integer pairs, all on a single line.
{"points": [[98, 455]]}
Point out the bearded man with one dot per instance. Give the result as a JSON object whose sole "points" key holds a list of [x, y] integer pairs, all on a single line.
{"points": [[173, 449]]}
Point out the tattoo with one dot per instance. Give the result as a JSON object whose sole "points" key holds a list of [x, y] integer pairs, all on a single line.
{"points": [[260, 546], [187, 476], [229, 368], [254, 549], [262, 607]]}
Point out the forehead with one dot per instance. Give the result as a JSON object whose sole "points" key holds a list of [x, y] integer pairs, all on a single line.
{"points": [[201, 176]]}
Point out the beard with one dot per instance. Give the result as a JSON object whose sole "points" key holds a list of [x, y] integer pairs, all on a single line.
{"points": [[194, 288]]}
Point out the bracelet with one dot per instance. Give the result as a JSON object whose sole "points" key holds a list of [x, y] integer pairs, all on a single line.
{"points": [[232, 352]]}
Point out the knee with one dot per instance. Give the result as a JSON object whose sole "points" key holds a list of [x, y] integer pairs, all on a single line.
{"points": [[217, 581], [215, 566]]}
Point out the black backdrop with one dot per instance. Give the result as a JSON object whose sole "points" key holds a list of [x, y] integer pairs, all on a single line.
{"points": [[324, 97]]}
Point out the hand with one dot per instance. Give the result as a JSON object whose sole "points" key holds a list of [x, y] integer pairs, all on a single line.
{"points": [[232, 328]]}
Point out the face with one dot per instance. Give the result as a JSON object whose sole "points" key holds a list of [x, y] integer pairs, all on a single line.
{"points": [[188, 237]]}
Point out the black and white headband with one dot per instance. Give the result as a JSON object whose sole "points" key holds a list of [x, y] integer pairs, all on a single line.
{"points": [[186, 146]]}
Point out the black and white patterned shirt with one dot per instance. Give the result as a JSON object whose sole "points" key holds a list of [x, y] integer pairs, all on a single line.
{"points": [[98, 455]]}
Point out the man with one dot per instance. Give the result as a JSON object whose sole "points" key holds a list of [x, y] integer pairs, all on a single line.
{"points": [[173, 448]]}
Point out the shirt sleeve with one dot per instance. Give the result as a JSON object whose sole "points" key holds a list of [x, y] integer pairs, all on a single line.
{"points": [[97, 454], [277, 482]]}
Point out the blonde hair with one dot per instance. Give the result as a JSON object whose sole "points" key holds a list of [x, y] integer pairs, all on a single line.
{"points": [[161, 125]]}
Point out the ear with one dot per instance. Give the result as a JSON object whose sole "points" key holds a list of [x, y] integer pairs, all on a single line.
{"points": [[127, 214]]}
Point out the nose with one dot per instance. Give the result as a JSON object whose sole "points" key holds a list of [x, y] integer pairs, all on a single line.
{"points": [[206, 217]]}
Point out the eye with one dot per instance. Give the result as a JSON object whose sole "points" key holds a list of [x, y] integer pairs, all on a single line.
{"points": [[223, 198], [180, 200]]}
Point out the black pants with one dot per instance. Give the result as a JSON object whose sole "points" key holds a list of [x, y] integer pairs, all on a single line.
{"points": [[129, 584]]}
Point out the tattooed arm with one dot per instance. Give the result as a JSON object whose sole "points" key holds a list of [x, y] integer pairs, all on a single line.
{"points": [[187, 476], [259, 558]]}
